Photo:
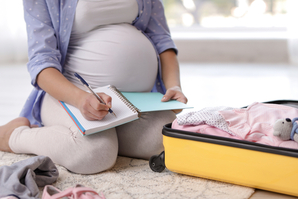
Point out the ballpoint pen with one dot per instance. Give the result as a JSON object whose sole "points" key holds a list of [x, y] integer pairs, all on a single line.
{"points": [[89, 87]]}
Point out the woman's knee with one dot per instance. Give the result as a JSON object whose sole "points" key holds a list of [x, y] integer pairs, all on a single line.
{"points": [[95, 153], [92, 162], [143, 138]]}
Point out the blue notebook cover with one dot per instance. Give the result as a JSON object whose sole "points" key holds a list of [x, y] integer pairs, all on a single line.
{"points": [[149, 101]]}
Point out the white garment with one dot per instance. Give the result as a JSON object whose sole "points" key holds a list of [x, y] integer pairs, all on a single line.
{"points": [[91, 14], [106, 49], [209, 115]]}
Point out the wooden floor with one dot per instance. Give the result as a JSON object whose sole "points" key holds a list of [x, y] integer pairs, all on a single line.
{"points": [[205, 85]]}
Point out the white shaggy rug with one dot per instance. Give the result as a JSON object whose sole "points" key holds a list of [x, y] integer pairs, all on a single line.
{"points": [[133, 178]]}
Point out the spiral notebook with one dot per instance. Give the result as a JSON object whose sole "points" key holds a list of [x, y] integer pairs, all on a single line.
{"points": [[126, 105]]}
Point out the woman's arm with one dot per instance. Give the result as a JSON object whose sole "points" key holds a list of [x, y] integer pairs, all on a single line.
{"points": [[171, 76], [53, 82], [45, 62], [158, 31]]}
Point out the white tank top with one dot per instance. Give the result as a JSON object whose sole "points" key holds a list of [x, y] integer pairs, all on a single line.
{"points": [[106, 49]]}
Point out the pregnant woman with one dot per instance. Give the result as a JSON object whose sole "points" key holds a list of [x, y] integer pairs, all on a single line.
{"points": [[125, 43]]}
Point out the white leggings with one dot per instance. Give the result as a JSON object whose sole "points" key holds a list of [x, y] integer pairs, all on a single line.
{"points": [[60, 139]]}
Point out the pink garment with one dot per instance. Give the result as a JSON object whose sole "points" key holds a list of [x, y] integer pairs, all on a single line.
{"points": [[203, 128], [254, 124]]}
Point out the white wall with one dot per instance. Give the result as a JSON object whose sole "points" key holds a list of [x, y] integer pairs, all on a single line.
{"points": [[232, 46], [13, 45]]}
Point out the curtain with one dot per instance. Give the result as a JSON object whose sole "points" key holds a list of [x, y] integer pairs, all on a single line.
{"points": [[13, 36]]}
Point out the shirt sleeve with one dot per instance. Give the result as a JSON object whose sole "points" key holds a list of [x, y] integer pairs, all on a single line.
{"points": [[158, 30], [43, 49]]}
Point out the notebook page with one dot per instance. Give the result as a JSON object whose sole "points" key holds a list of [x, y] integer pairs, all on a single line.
{"points": [[123, 112]]}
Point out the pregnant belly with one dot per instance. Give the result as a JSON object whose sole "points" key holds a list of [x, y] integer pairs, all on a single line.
{"points": [[118, 55]]}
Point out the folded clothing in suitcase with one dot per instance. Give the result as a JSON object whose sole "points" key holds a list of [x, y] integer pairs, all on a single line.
{"points": [[254, 123], [236, 161]]}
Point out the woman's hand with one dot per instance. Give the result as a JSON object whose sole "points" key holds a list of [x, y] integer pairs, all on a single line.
{"points": [[55, 84], [92, 109], [174, 93]]}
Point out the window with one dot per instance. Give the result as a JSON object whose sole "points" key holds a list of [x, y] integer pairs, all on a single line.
{"points": [[226, 13]]}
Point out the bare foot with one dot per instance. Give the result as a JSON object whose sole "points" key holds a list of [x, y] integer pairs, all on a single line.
{"points": [[7, 129]]}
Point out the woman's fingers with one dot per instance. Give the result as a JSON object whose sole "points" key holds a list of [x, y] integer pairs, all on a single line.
{"points": [[176, 94], [93, 109]]}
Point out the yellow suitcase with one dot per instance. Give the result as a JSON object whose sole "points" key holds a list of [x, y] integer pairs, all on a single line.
{"points": [[234, 161]]}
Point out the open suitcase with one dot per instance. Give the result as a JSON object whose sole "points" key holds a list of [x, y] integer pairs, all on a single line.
{"points": [[228, 160]]}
